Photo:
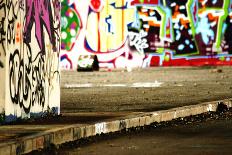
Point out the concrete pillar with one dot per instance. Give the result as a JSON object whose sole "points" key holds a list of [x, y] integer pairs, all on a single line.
{"points": [[29, 58]]}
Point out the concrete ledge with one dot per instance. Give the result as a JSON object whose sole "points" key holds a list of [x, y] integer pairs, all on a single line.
{"points": [[74, 132]]}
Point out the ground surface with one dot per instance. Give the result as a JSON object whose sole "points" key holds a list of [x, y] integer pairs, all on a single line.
{"points": [[143, 89], [208, 138], [207, 133], [149, 90]]}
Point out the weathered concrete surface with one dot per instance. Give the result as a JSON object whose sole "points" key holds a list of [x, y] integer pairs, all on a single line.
{"points": [[112, 91], [109, 108], [26, 138]]}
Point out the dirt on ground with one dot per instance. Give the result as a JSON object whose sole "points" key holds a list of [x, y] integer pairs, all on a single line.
{"points": [[142, 90]]}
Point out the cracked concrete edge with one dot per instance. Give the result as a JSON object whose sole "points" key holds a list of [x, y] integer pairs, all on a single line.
{"points": [[70, 133]]}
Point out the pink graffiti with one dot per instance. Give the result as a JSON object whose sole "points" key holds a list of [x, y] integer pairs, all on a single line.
{"points": [[40, 13]]}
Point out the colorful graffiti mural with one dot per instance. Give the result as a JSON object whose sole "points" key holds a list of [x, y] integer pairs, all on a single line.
{"points": [[141, 33], [30, 46]]}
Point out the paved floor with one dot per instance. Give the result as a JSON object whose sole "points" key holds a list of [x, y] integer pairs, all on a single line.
{"points": [[208, 138], [116, 94], [143, 89], [18, 130]]}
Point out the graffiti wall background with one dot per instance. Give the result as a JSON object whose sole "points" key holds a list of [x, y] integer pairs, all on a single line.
{"points": [[141, 33], [30, 46]]}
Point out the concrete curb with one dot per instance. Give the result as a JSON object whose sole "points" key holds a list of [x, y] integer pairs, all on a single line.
{"points": [[69, 133]]}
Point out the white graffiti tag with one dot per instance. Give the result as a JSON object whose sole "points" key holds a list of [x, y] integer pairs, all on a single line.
{"points": [[138, 41]]}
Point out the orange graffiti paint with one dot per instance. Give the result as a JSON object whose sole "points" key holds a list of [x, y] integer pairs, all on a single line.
{"points": [[184, 23], [212, 18], [18, 34]]}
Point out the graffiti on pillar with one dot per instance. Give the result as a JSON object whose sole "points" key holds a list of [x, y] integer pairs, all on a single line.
{"points": [[39, 13], [148, 33], [22, 90], [2, 33], [1, 64], [31, 39]]}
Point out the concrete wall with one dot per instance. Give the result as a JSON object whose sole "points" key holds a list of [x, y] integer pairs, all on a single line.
{"points": [[135, 33], [30, 48]]}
